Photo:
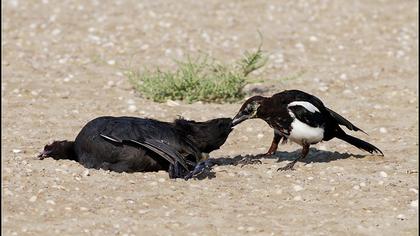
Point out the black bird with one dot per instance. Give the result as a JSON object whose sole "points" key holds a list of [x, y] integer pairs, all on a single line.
{"points": [[130, 144], [301, 118]]}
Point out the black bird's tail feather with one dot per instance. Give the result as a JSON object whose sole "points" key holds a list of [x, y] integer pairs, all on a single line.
{"points": [[59, 150], [359, 143]]}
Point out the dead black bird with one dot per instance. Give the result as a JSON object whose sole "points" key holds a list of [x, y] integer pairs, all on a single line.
{"points": [[130, 144], [299, 117]]}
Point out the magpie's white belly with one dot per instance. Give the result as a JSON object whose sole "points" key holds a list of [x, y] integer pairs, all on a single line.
{"points": [[302, 133]]}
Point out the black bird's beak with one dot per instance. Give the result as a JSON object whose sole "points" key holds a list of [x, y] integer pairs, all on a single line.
{"points": [[43, 154], [239, 118]]}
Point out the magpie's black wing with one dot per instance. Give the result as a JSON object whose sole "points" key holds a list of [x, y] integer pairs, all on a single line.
{"points": [[162, 149], [313, 119], [343, 121]]}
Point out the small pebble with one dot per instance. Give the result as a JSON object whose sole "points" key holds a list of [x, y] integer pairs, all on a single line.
{"points": [[161, 180], [33, 198], [401, 217], [313, 39], [132, 108], [383, 130], [383, 174], [17, 151], [357, 187], [50, 202], [250, 228], [297, 188], [172, 103], [86, 173], [297, 198], [414, 204], [414, 190]]}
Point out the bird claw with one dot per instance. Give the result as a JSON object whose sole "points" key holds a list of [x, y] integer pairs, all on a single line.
{"points": [[198, 169], [249, 161], [289, 166]]}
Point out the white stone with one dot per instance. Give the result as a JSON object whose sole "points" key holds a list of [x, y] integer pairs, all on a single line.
{"points": [[33, 198], [414, 190], [86, 173], [16, 151], [297, 188], [383, 174], [414, 204], [383, 130], [297, 198], [172, 103], [132, 108], [313, 39], [49, 201]]}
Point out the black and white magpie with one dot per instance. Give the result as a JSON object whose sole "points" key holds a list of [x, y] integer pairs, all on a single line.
{"points": [[129, 144], [301, 118]]}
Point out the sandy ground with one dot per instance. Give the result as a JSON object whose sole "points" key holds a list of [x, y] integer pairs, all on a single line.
{"points": [[63, 65]]}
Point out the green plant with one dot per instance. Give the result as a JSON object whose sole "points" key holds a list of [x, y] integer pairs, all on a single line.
{"points": [[200, 79]]}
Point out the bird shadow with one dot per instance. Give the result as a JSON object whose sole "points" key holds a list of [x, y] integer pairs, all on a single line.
{"points": [[314, 155]]}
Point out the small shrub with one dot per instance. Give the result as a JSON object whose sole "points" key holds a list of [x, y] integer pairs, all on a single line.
{"points": [[202, 79]]}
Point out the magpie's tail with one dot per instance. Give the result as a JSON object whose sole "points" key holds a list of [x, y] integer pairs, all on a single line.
{"points": [[359, 143], [59, 150]]}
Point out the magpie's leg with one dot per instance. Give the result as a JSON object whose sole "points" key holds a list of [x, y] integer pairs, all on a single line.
{"points": [[199, 168], [274, 144], [290, 165]]}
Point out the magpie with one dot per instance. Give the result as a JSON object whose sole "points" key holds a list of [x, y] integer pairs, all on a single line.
{"points": [[130, 144], [301, 118]]}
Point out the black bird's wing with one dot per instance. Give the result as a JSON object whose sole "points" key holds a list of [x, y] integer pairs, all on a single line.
{"points": [[313, 119], [343, 121], [162, 149]]}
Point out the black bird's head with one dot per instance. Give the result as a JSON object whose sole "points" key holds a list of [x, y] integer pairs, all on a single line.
{"points": [[248, 110], [208, 135], [57, 150]]}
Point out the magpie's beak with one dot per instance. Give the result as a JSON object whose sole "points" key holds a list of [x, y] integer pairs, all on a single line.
{"points": [[239, 118]]}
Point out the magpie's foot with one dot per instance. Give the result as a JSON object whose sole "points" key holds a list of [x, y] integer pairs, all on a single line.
{"points": [[249, 161], [289, 166], [199, 168]]}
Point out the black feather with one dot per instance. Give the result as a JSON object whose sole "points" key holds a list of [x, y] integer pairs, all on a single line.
{"points": [[128, 144], [343, 121], [313, 119]]}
